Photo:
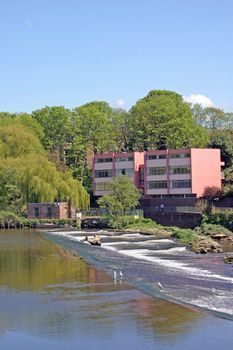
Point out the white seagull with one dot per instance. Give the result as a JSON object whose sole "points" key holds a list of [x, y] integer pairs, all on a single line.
{"points": [[160, 285]]}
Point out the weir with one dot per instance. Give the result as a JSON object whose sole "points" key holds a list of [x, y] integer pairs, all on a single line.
{"points": [[202, 282]]}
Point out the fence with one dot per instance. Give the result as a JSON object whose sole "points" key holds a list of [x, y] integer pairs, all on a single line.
{"points": [[177, 209], [98, 212]]}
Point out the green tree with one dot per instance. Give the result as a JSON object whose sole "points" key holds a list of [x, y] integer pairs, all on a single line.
{"points": [[33, 177], [123, 195], [56, 124], [120, 121], [16, 140], [25, 120], [163, 120], [212, 118], [223, 141], [10, 196], [92, 132], [94, 127]]}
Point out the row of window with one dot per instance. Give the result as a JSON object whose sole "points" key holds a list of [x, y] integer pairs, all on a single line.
{"points": [[173, 184], [102, 186], [105, 186], [150, 171], [109, 173], [117, 159], [49, 212], [128, 172], [103, 173], [171, 156], [172, 170], [149, 157]]}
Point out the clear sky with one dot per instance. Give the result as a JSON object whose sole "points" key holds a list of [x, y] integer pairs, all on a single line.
{"points": [[70, 52]]}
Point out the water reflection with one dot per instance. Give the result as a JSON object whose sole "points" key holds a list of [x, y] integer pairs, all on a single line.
{"points": [[45, 292]]}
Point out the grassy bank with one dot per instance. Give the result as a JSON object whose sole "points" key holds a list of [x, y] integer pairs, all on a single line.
{"points": [[202, 239]]}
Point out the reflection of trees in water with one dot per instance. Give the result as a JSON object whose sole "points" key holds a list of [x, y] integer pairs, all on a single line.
{"points": [[30, 262], [54, 295]]}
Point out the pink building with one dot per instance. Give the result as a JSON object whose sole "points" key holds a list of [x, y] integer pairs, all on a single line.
{"points": [[166, 173], [108, 165]]}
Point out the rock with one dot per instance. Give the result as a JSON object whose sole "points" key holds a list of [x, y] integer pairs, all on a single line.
{"points": [[219, 236], [228, 259], [203, 245], [95, 240]]}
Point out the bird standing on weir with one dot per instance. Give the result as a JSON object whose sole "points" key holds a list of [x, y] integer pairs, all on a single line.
{"points": [[160, 285]]}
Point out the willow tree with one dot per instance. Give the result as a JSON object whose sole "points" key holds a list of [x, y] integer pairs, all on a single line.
{"points": [[40, 181], [17, 140], [33, 175]]}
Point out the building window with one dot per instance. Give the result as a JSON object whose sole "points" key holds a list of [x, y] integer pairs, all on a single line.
{"points": [[156, 156], [180, 170], [103, 173], [181, 155], [128, 172], [156, 184], [49, 212], [103, 160], [180, 184], [102, 186], [37, 212], [124, 159], [156, 171], [141, 176]]}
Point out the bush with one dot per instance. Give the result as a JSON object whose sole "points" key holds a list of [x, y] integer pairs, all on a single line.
{"points": [[209, 229], [224, 218], [184, 235]]}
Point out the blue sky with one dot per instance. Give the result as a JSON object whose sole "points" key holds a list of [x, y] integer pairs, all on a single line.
{"points": [[70, 52]]}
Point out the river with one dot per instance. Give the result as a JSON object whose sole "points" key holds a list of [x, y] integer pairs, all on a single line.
{"points": [[53, 300]]}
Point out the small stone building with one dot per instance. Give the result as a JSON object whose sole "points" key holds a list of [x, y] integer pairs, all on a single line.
{"points": [[57, 210]]}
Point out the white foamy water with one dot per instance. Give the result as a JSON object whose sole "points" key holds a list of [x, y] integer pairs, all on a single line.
{"points": [[175, 265], [172, 250]]}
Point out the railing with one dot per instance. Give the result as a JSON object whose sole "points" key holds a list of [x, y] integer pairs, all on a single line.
{"points": [[98, 212], [178, 209]]}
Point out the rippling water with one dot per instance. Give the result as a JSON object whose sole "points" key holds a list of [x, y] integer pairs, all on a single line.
{"points": [[200, 281], [51, 300]]}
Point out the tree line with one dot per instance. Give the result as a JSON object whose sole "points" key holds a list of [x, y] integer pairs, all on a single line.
{"points": [[46, 155]]}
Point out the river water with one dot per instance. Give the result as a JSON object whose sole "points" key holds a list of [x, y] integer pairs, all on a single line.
{"points": [[52, 300]]}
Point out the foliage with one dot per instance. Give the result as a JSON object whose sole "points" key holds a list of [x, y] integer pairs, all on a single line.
{"points": [[202, 205], [25, 120], [212, 192], [223, 141], [9, 219], [55, 122], [26, 175], [123, 195], [10, 196], [184, 235], [210, 229], [224, 218], [17, 140], [93, 121], [163, 120], [212, 118], [121, 126]]}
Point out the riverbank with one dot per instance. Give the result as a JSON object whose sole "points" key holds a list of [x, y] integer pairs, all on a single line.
{"points": [[202, 239]]}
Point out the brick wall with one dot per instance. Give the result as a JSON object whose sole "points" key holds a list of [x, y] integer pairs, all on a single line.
{"points": [[49, 211]]}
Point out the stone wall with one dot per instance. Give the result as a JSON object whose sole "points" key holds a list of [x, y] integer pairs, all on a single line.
{"points": [[183, 220]]}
